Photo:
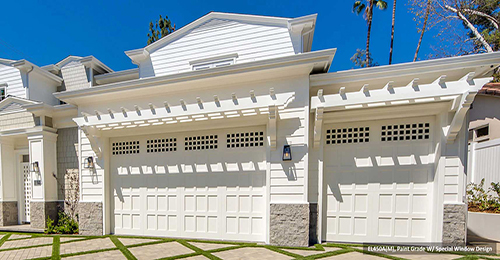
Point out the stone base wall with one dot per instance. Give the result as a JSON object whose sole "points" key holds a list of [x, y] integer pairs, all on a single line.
{"points": [[289, 225], [90, 219], [454, 224], [40, 210], [8, 213], [313, 223]]}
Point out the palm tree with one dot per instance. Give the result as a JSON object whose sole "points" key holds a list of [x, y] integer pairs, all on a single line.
{"points": [[367, 9], [426, 18], [392, 31]]}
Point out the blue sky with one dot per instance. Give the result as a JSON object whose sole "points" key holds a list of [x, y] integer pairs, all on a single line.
{"points": [[45, 32]]}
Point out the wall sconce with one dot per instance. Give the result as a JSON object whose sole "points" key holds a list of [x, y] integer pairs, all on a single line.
{"points": [[35, 168], [287, 153], [89, 163]]}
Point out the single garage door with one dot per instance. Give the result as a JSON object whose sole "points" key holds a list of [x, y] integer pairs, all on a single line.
{"points": [[208, 184], [378, 179]]}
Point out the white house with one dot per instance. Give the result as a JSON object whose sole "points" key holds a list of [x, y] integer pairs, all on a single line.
{"points": [[231, 128]]}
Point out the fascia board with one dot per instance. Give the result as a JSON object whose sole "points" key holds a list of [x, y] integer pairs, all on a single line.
{"points": [[100, 79], [406, 69], [94, 61], [325, 56], [23, 64]]}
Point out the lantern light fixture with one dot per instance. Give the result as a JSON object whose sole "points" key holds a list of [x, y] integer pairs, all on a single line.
{"points": [[287, 153], [89, 163], [35, 167]]}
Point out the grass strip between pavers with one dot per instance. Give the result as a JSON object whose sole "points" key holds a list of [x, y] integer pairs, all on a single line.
{"points": [[4, 238], [280, 251], [198, 250], [89, 252], [56, 244], [122, 248], [327, 254]]}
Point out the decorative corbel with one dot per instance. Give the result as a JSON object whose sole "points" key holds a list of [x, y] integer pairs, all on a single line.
{"points": [[271, 131], [318, 126], [459, 117], [94, 138]]}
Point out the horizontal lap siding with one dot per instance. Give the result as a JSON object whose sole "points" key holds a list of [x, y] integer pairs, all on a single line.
{"points": [[12, 77], [250, 41], [91, 183], [287, 179]]}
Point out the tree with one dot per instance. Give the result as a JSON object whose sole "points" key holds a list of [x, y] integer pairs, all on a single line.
{"points": [[367, 9], [392, 30], [160, 29], [424, 26], [359, 59]]}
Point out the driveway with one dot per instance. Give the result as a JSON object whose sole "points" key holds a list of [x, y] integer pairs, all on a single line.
{"points": [[39, 246]]}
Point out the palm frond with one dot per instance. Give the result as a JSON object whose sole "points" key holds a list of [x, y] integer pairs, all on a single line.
{"points": [[381, 4], [358, 7]]}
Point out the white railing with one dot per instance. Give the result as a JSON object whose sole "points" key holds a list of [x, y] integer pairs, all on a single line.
{"points": [[484, 162]]}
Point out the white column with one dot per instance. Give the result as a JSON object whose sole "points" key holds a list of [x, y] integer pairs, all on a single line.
{"points": [[42, 149], [8, 191]]}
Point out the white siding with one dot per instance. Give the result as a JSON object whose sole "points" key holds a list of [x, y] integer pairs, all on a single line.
{"points": [[91, 182], [12, 77], [41, 89], [220, 37]]}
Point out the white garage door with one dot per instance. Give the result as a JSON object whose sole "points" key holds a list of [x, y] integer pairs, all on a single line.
{"points": [[378, 180], [208, 184]]}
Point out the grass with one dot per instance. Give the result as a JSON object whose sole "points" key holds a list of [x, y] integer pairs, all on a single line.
{"points": [[56, 246], [210, 254]]}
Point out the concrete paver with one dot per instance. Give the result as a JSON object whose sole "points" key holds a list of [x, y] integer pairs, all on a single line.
{"points": [[135, 241], [86, 245], [425, 256], [353, 256], [66, 239], [198, 257], [159, 250], [257, 253], [107, 255], [16, 236], [27, 242], [311, 252], [209, 246], [27, 253]]}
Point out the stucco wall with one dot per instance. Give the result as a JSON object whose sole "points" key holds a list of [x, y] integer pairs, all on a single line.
{"points": [[486, 110]]}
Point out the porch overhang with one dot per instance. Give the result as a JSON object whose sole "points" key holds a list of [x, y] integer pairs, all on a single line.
{"points": [[263, 107], [459, 94]]}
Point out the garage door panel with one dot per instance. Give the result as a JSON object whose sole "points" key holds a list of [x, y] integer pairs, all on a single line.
{"points": [[195, 191], [379, 190]]}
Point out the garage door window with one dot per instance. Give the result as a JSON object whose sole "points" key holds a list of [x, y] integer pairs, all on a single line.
{"points": [[348, 135], [204, 142], [162, 145], [120, 148], [405, 132], [248, 139]]}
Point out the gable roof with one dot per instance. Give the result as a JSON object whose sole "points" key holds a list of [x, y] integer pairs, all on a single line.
{"points": [[98, 65], [14, 104], [290, 23]]}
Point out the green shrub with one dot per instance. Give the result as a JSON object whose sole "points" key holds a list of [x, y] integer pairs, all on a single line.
{"points": [[51, 228], [481, 200], [65, 225]]}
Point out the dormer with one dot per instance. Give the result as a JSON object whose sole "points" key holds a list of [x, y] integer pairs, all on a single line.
{"points": [[78, 72], [224, 39]]}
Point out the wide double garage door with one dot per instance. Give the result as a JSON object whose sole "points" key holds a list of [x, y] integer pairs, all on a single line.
{"points": [[378, 178], [208, 184]]}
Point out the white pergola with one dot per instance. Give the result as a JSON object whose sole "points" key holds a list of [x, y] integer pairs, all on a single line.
{"points": [[461, 93], [137, 117]]}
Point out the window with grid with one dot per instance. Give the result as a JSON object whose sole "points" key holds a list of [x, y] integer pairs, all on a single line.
{"points": [[202, 142], [405, 132], [161, 145], [245, 139], [121, 148], [348, 135]]}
